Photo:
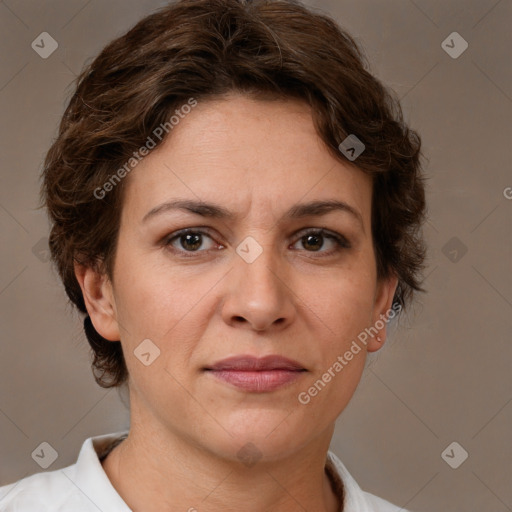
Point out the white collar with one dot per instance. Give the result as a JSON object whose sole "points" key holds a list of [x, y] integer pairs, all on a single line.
{"points": [[90, 477]]}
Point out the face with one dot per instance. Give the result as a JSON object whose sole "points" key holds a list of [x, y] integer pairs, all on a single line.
{"points": [[261, 272]]}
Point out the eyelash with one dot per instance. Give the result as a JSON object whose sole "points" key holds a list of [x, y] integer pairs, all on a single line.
{"points": [[340, 241]]}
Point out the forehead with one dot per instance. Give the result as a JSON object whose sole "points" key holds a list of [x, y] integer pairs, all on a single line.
{"points": [[245, 153]]}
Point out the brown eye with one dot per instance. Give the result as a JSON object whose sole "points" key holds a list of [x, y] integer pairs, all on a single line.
{"points": [[190, 241], [316, 240], [313, 242]]}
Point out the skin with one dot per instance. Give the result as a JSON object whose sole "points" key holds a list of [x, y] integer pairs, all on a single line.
{"points": [[256, 158]]}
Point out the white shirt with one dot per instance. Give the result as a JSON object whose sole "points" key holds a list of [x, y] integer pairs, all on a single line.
{"points": [[85, 487]]}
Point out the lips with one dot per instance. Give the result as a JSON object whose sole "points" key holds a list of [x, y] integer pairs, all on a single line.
{"points": [[250, 363], [258, 375]]}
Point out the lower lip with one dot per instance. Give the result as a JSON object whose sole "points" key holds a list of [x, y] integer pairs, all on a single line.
{"points": [[257, 381]]}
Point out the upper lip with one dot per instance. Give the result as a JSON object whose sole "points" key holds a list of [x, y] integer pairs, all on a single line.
{"points": [[251, 363]]}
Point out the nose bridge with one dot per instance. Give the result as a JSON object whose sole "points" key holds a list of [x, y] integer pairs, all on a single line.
{"points": [[257, 292], [259, 264]]}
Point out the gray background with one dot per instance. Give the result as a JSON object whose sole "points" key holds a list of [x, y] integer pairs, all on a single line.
{"points": [[444, 376]]}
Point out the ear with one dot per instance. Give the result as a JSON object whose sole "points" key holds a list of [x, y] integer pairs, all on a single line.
{"points": [[384, 294], [99, 301]]}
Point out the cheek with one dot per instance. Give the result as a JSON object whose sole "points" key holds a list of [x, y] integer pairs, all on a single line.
{"points": [[341, 356], [345, 300], [152, 298], [171, 307], [343, 304]]}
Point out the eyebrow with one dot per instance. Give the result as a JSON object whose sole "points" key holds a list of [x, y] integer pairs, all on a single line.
{"points": [[297, 211]]}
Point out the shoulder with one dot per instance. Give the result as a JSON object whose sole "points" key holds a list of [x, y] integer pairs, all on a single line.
{"points": [[356, 499], [80, 487], [43, 492]]}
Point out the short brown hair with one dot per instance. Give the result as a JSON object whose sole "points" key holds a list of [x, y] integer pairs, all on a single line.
{"points": [[203, 49]]}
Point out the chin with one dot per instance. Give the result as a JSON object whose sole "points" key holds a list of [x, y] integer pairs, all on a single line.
{"points": [[255, 434]]}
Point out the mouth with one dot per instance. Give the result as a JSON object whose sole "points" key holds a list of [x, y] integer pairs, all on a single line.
{"points": [[257, 375]]}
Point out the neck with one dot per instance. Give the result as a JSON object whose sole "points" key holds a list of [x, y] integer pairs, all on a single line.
{"points": [[156, 471]]}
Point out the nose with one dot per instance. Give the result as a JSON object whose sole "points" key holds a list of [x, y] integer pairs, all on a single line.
{"points": [[258, 293]]}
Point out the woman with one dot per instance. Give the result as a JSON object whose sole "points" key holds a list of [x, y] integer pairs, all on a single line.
{"points": [[235, 207]]}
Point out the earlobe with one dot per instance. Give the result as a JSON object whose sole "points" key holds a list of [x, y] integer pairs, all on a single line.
{"points": [[384, 295], [99, 301]]}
